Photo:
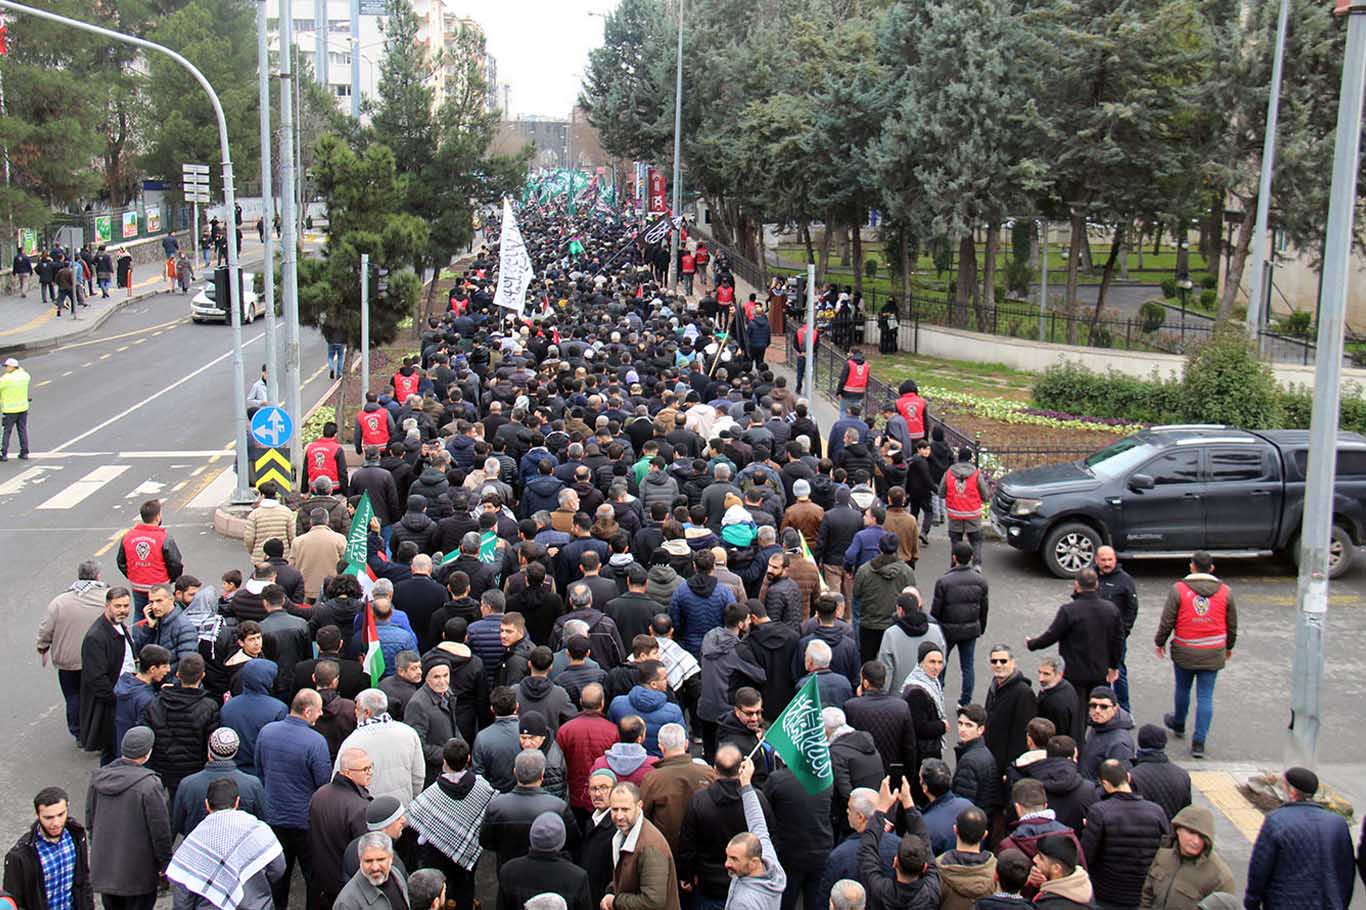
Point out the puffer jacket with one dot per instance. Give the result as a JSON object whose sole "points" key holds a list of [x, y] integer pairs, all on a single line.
{"points": [[174, 632], [1179, 882], [876, 587], [1122, 835], [660, 584], [1157, 778], [976, 776], [582, 740], [960, 604], [268, 520], [182, 718], [430, 484], [542, 493], [783, 600], [653, 707], [1302, 858], [415, 526], [658, 486], [697, 607], [887, 719], [1112, 739]]}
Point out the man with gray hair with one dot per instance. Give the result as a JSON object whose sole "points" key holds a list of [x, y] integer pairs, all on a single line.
{"points": [[545, 902], [1057, 699], [843, 860], [667, 789], [393, 747], [62, 629], [847, 894], [714, 497], [377, 886], [419, 597], [834, 688], [507, 823], [854, 759]]}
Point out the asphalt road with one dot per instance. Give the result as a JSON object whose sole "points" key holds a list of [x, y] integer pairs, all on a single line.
{"points": [[142, 409]]}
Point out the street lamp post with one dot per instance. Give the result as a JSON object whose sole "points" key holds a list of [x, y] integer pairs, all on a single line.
{"points": [[267, 203], [239, 388], [1256, 291], [678, 153]]}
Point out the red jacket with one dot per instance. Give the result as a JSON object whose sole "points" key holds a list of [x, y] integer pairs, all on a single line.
{"points": [[148, 556], [583, 740]]}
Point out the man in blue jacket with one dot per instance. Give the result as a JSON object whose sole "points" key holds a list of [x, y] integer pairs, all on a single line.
{"points": [[248, 714], [649, 698], [293, 762], [1303, 854]]}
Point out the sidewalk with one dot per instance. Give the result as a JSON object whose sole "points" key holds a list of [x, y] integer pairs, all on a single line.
{"points": [[27, 325]]}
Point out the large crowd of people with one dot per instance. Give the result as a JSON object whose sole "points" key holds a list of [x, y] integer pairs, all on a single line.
{"points": [[609, 545]]}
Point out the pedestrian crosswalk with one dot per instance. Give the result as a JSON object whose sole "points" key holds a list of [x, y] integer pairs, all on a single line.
{"points": [[78, 492], [116, 482]]}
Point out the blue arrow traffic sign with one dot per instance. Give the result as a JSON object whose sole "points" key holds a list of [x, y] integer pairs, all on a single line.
{"points": [[272, 427]]}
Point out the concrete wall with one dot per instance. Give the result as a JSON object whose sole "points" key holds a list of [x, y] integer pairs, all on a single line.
{"points": [[1033, 356]]}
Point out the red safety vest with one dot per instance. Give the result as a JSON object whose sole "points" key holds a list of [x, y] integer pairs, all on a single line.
{"points": [[374, 427], [1201, 622], [320, 460], [405, 386], [725, 294], [801, 337], [962, 499], [142, 552], [912, 407], [702, 257], [858, 377], [689, 264]]}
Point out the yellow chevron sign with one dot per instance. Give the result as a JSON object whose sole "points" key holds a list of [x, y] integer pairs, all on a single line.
{"points": [[273, 464]]}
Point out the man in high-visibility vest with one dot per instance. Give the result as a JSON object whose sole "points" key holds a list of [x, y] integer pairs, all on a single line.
{"points": [[853, 382], [1202, 622], [14, 384]]}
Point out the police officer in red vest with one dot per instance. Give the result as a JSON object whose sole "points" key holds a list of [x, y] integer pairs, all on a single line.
{"points": [[325, 457], [374, 424], [1202, 622], [914, 408], [853, 382], [406, 381], [148, 556], [964, 489]]}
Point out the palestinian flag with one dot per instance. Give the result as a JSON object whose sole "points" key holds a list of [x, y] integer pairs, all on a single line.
{"points": [[806, 551], [374, 657], [357, 549]]}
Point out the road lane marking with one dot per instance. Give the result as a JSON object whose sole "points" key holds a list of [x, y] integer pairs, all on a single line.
{"points": [[140, 341], [39, 385], [88, 363], [17, 483], [109, 544], [121, 335], [121, 350], [180, 486], [82, 489], [67, 373], [150, 398], [146, 488], [105, 356]]}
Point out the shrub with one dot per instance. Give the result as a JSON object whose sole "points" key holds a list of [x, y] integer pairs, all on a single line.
{"points": [[1209, 282], [1152, 315], [1018, 274], [1225, 382], [1298, 324], [1169, 288], [870, 268], [1208, 299]]}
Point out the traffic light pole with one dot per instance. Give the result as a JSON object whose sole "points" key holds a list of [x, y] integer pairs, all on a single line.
{"points": [[289, 231], [239, 388], [267, 204]]}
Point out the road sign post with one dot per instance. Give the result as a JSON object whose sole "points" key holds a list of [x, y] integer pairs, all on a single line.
{"points": [[272, 427], [272, 464]]}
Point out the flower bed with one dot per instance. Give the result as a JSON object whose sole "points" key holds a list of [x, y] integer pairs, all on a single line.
{"points": [[1019, 413]]}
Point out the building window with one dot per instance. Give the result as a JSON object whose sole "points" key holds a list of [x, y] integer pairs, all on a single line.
{"points": [[338, 59], [343, 90], [339, 25], [303, 25]]}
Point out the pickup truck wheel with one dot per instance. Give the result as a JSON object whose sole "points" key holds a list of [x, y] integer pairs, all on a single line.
{"points": [[1341, 551], [1070, 548]]}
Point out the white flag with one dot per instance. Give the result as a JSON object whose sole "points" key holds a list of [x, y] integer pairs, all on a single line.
{"points": [[514, 265]]}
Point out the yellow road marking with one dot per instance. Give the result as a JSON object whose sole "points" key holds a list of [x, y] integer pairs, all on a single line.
{"points": [[1221, 789], [105, 356], [41, 384], [122, 335]]}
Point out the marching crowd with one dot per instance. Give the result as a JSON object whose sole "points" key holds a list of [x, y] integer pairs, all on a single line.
{"points": [[609, 543]]}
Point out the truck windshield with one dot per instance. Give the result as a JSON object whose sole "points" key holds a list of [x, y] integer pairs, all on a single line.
{"points": [[1120, 458]]}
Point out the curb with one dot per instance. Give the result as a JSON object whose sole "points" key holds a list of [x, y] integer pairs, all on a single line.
{"points": [[92, 326]]}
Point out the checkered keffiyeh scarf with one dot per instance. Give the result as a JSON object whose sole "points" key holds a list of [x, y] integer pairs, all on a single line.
{"points": [[221, 854], [451, 825]]}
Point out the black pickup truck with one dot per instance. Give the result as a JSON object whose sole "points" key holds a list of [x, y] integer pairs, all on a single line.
{"points": [[1169, 490]]}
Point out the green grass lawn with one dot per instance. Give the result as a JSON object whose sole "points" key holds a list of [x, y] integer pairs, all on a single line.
{"points": [[991, 379]]}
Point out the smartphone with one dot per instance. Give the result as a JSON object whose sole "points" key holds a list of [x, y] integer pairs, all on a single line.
{"points": [[896, 772]]}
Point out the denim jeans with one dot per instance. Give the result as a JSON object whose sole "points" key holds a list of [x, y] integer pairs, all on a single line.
{"points": [[1122, 684], [1204, 699], [70, 681], [336, 354], [974, 538], [105, 282], [967, 650], [848, 400], [140, 600]]}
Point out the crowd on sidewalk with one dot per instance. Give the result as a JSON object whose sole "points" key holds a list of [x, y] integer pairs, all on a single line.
{"points": [[609, 544]]}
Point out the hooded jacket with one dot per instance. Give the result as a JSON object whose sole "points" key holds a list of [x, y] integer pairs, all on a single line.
{"points": [[415, 526], [658, 486], [249, 712], [964, 877], [883, 888], [660, 584], [1122, 835], [1069, 794], [1112, 739], [538, 693], [1025, 834], [1071, 892], [127, 805], [542, 493], [765, 890], [877, 585], [132, 696], [697, 608], [900, 649], [628, 761], [182, 717], [430, 484], [773, 646], [653, 707], [844, 656], [1179, 882], [964, 470], [720, 661]]}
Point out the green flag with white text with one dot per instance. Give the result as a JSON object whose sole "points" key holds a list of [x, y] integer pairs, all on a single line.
{"points": [[798, 736]]}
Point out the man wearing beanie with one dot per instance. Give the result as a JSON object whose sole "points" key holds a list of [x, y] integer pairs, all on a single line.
{"points": [[804, 515], [1303, 854], [546, 868], [1063, 883], [125, 811], [384, 814], [1157, 778], [431, 712], [877, 585], [598, 830], [188, 810]]}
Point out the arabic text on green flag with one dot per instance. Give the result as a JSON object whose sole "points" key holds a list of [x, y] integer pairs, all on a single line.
{"points": [[356, 550], [798, 736]]}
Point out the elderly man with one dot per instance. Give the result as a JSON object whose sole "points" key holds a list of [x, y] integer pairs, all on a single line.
{"points": [[377, 886], [645, 877], [336, 816], [669, 786], [506, 827], [396, 749], [67, 618]]}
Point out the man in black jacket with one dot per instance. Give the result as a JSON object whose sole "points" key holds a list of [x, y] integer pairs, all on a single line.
{"points": [[837, 529], [885, 716], [1122, 835], [1057, 700], [960, 608], [976, 776], [506, 827], [545, 869], [1117, 586], [770, 646], [379, 483], [1090, 637], [182, 717], [25, 876], [802, 837], [103, 653], [914, 882], [714, 815], [1010, 706], [1155, 777]]}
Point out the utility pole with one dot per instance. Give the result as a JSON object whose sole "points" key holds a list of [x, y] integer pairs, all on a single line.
{"points": [[810, 355], [239, 388], [1316, 536], [320, 40], [1257, 294], [289, 275], [267, 203], [355, 59], [364, 327], [678, 153]]}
